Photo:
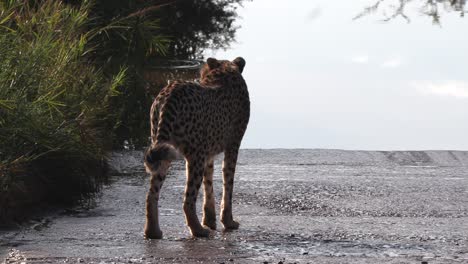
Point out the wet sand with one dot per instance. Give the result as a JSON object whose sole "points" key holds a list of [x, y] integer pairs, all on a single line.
{"points": [[325, 207]]}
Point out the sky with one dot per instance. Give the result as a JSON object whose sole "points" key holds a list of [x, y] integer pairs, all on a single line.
{"points": [[319, 79]]}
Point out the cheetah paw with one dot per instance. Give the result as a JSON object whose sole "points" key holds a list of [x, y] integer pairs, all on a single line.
{"points": [[209, 224], [231, 225], [153, 234], [200, 232]]}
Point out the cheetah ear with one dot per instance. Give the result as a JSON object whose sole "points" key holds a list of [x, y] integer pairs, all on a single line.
{"points": [[212, 63], [240, 62]]}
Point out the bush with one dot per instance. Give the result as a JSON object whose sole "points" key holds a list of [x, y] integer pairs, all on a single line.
{"points": [[54, 116]]}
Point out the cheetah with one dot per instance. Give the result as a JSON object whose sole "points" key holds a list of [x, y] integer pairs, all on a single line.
{"points": [[199, 121]]}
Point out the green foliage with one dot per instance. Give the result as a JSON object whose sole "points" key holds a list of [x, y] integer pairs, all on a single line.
{"points": [[49, 91], [142, 34], [125, 34], [135, 30], [53, 99], [197, 25], [72, 83]]}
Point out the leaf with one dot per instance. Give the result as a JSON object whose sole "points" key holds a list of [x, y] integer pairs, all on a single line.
{"points": [[7, 104]]}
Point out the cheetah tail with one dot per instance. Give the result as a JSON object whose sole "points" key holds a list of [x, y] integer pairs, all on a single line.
{"points": [[158, 153]]}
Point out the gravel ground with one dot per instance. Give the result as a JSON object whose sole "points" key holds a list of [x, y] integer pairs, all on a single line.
{"points": [[294, 206]]}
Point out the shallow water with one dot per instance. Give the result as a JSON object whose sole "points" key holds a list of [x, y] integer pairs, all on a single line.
{"points": [[322, 206]]}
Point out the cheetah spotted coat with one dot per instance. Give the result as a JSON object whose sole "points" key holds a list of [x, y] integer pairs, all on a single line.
{"points": [[198, 120]]}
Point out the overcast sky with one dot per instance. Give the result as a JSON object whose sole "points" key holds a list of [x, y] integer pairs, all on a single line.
{"points": [[318, 79]]}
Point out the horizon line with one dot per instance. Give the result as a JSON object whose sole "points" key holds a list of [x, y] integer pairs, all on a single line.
{"points": [[376, 150]]}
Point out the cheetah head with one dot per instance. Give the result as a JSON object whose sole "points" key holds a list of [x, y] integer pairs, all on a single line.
{"points": [[215, 67]]}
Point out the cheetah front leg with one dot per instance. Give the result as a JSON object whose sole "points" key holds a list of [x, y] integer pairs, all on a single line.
{"points": [[195, 169], [229, 167], [209, 212]]}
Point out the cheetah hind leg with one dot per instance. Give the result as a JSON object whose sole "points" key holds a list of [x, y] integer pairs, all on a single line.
{"points": [[195, 171], [152, 229], [209, 213], [157, 162], [229, 167]]}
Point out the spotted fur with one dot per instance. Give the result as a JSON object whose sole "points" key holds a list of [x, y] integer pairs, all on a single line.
{"points": [[198, 120]]}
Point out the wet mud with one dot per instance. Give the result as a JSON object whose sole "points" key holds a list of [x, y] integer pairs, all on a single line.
{"points": [[294, 206]]}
